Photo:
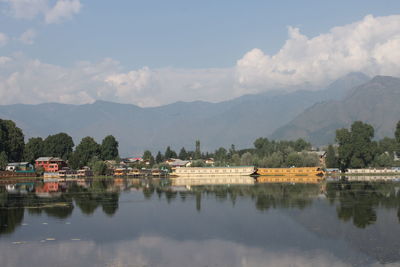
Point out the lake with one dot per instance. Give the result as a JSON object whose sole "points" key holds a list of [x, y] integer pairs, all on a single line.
{"points": [[236, 222]]}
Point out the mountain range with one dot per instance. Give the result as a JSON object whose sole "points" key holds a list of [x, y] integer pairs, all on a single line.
{"points": [[375, 102], [280, 114]]}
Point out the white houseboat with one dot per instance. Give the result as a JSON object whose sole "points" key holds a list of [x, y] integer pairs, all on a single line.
{"points": [[213, 171]]}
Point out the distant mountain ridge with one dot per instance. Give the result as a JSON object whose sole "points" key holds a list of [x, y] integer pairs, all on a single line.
{"points": [[239, 121], [375, 102]]}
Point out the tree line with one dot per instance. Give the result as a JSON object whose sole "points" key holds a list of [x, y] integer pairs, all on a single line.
{"points": [[357, 149], [265, 153], [87, 152]]}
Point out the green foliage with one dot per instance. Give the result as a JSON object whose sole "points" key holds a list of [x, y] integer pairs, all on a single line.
{"points": [[198, 163], [58, 145], [109, 148], [331, 159], [246, 159], [148, 156], [197, 152], [34, 149], [169, 153], [220, 156], [183, 155], [356, 148], [11, 140], [3, 160], [159, 158], [84, 152], [98, 167], [383, 160], [397, 132]]}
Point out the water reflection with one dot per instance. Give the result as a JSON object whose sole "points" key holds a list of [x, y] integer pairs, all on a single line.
{"points": [[158, 222]]}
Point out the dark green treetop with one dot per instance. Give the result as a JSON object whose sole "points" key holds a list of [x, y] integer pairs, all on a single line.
{"points": [[58, 145], [34, 149], [109, 148]]}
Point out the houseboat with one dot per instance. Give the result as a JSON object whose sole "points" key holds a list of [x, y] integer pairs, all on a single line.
{"points": [[303, 171], [213, 171], [120, 172], [306, 179], [67, 173], [85, 172], [213, 180]]}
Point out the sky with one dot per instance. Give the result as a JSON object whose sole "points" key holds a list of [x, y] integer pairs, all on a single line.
{"points": [[152, 53]]}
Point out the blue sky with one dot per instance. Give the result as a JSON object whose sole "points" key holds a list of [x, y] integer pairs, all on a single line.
{"points": [[175, 43]]}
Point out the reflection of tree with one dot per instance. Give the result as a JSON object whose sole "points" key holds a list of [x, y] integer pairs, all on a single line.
{"points": [[10, 219], [358, 200]]}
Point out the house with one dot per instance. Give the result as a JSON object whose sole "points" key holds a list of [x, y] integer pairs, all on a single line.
{"points": [[50, 164], [209, 161], [20, 167], [177, 162]]}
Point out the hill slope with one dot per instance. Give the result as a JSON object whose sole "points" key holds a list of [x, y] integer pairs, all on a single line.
{"points": [[375, 102], [239, 121]]}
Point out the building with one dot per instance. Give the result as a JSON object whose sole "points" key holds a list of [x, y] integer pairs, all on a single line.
{"points": [[50, 164], [177, 162], [20, 167]]}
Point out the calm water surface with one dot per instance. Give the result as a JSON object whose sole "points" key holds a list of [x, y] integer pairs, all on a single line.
{"points": [[128, 222]]}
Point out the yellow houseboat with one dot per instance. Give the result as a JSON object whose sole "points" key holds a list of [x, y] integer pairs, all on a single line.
{"points": [[213, 171], [313, 179], [303, 171]]}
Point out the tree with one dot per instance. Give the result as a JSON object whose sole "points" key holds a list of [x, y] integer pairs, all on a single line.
{"points": [[159, 157], [109, 148], [246, 159], [397, 136], [294, 160], [3, 160], [183, 154], [98, 167], [331, 159], [221, 155], [397, 132], [356, 148], [84, 152], [148, 156], [169, 153], [197, 152], [34, 149], [11, 140], [58, 145]]}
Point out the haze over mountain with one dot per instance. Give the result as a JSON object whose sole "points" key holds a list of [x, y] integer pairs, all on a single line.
{"points": [[239, 121], [375, 102]]}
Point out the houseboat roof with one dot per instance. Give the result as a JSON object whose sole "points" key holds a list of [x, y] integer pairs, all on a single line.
{"points": [[49, 159]]}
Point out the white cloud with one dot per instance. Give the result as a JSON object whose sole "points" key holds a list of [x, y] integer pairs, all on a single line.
{"points": [[63, 9], [3, 39], [371, 45], [28, 37], [26, 9], [161, 251], [29, 9]]}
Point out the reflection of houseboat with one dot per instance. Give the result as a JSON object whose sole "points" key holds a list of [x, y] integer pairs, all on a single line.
{"points": [[134, 172], [394, 170], [85, 172], [213, 171], [48, 175], [371, 178], [213, 180], [303, 171], [66, 172], [120, 172], [301, 179]]}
